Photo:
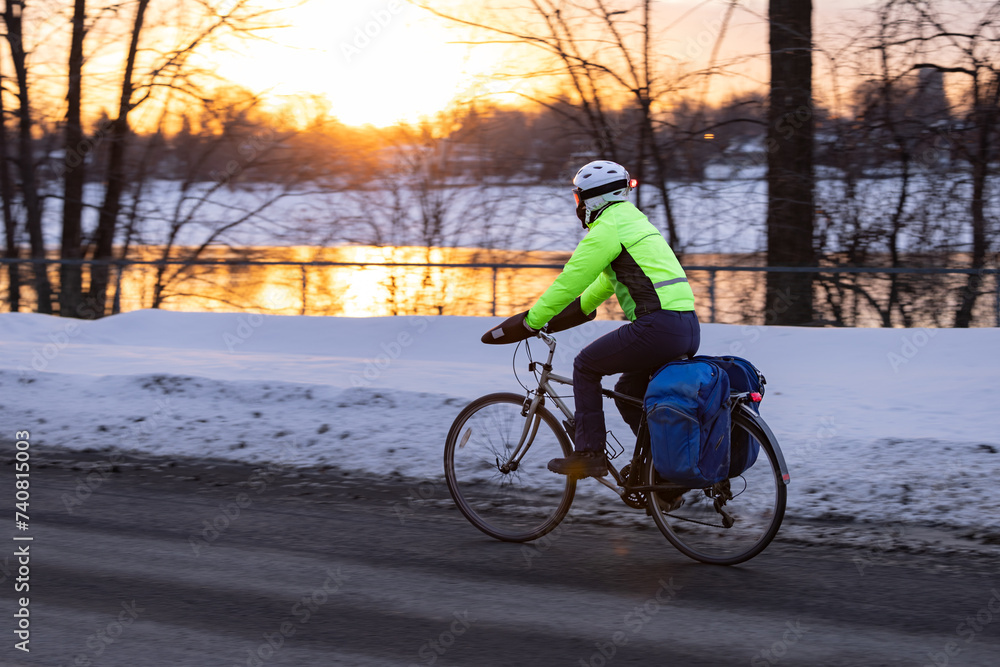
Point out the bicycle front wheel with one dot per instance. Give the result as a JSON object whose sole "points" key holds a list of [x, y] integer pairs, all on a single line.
{"points": [[754, 503], [513, 503]]}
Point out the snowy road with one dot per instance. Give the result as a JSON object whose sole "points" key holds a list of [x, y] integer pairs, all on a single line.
{"points": [[317, 568]]}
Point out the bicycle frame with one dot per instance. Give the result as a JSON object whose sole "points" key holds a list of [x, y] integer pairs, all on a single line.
{"points": [[641, 451], [532, 420]]}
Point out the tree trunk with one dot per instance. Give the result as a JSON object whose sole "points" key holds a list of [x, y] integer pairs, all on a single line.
{"points": [[987, 110], [25, 158], [902, 142], [644, 104], [673, 238], [789, 297], [70, 276], [9, 222], [108, 216]]}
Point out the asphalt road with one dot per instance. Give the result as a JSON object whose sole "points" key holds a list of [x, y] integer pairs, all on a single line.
{"points": [[145, 561]]}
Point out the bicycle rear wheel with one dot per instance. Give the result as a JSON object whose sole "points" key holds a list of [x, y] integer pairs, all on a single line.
{"points": [[757, 507], [524, 502]]}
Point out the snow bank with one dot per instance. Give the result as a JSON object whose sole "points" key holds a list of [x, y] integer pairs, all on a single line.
{"points": [[882, 425]]}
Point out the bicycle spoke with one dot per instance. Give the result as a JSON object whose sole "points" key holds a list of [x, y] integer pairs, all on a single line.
{"points": [[518, 504], [698, 528]]}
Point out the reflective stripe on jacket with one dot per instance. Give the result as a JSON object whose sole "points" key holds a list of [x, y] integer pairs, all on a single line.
{"points": [[622, 254]]}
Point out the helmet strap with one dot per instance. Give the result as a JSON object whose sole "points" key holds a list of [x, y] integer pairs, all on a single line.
{"points": [[587, 217], [582, 213]]}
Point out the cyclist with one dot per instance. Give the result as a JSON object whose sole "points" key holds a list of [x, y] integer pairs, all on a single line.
{"points": [[622, 253]]}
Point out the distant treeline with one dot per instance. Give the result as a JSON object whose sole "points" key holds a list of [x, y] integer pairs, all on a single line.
{"points": [[242, 142]]}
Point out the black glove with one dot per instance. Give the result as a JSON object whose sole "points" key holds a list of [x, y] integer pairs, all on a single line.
{"points": [[511, 330], [570, 316], [516, 328]]}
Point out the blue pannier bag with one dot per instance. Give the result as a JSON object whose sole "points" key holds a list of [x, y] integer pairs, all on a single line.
{"points": [[743, 377], [687, 412]]}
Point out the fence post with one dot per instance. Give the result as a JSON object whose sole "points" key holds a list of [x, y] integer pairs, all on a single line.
{"points": [[493, 311], [116, 302], [996, 304], [302, 269], [711, 292]]}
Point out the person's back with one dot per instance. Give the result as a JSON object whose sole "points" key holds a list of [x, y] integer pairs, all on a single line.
{"points": [[644, 266], [622, 254]]}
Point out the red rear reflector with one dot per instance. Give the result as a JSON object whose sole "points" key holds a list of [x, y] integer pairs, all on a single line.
{"points": [[785, 477], [633, 183], [755, 397]]}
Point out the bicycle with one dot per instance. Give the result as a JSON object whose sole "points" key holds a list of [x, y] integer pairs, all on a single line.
{"points": [[513, 497]]}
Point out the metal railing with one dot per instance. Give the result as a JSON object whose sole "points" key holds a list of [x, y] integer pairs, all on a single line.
{"points": [[239, 284]]}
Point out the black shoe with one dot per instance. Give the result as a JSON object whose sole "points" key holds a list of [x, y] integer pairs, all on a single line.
{"points": [[581, 464]]}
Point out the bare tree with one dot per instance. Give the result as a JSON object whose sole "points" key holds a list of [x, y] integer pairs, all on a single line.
{"points": [[423, 206], [212, 18], [11, 250], [974, 53], [115, 179], [248, 146], [70, 275], [152, 63], [13, 11], [604, 54], [916, 159]]}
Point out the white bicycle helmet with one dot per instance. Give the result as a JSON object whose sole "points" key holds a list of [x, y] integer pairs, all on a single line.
{"points": [[598, 184]]}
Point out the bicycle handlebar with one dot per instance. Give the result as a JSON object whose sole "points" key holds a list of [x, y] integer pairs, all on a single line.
{"points": [[511, 330], [514, 329]]}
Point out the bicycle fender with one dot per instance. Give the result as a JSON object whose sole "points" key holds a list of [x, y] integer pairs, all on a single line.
{"points": [[755, 418]]}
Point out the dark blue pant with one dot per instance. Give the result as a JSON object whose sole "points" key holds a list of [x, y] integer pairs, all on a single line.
{"points": [[635, 350]]}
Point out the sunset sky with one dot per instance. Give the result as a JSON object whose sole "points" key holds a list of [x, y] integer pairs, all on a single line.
{"points": [[381, 61]]}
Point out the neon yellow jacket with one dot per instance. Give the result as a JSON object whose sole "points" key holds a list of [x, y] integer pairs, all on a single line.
{"points": [[622, 254]]}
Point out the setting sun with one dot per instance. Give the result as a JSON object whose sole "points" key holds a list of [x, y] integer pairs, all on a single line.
{"points": [[376, 62]]}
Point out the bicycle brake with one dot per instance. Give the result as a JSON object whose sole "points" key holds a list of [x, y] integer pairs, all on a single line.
{"points": [[527, 404], [722, 494]]}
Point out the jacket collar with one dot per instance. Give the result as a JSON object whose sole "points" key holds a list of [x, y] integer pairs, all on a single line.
{"points": [[597, 214]]}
